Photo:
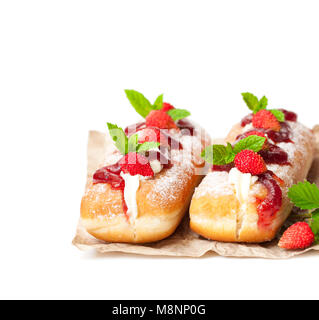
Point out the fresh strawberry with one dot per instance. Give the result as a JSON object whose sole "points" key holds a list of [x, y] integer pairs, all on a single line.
{"points": [[160, 119], [298, 236], [266, 120], [135, 163], [248, 161], [167, 107], [152, 135]]}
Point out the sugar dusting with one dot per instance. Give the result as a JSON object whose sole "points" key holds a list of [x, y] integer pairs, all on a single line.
{"points": [[214, 184], [300, 137], [168, 186], [107, 206]]}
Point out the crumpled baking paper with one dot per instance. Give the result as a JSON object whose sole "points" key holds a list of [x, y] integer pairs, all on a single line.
{"points": [[184, 242]]}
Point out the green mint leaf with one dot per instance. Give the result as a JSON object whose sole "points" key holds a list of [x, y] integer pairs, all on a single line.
{"points": [[230, 157], [119, 137], [139, 102], [263, 102], [254, 143], [314, 225], [178, 114], [146, 146], [207, 154], [218, 154], [158, 104], [133, 143], [278, 114], [304, 195], [251, 101]]}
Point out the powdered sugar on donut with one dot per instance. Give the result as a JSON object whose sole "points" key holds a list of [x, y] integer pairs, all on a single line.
{"points": [[215, 184], [168, 186]]}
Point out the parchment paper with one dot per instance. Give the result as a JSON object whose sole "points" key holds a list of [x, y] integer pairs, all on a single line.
{"points": [[183, 242]]}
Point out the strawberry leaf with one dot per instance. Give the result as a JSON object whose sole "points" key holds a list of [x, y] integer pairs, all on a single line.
{"points": [[254, 143], [278, 114], [133, 143], [314, 224], [158, 104], [139, 102], [304, 195], [146, 146], [178, 114], [119, 137]]}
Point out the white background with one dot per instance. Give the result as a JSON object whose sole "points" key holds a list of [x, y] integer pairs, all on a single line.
{"points": [[63, 68]]}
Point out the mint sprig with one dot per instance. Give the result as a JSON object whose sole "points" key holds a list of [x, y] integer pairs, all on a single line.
{"points": [[146, 146], [119, 137], [133, 143], [139, 102], [278, 114], [158, 104], [143, 106], [221, 155], [178, 114], [254, 143], [256, 105], [125, 144], [218, 154], [253, 103]]}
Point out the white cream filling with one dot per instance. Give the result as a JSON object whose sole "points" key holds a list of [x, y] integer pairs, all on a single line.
{"points": [[249, 127], [132, 184], [242, 183], [156, 166]]}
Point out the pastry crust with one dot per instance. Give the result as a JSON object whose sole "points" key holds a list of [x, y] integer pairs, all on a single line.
{"points": [[162, 201], [217, 214]]}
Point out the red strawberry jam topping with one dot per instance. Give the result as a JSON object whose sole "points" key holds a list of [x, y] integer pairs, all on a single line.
{"points": [[275, 155], [226, 167], [247, 120], [283, 135], [187, 129], [111, 175], [289, 115], [268, 207]]}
